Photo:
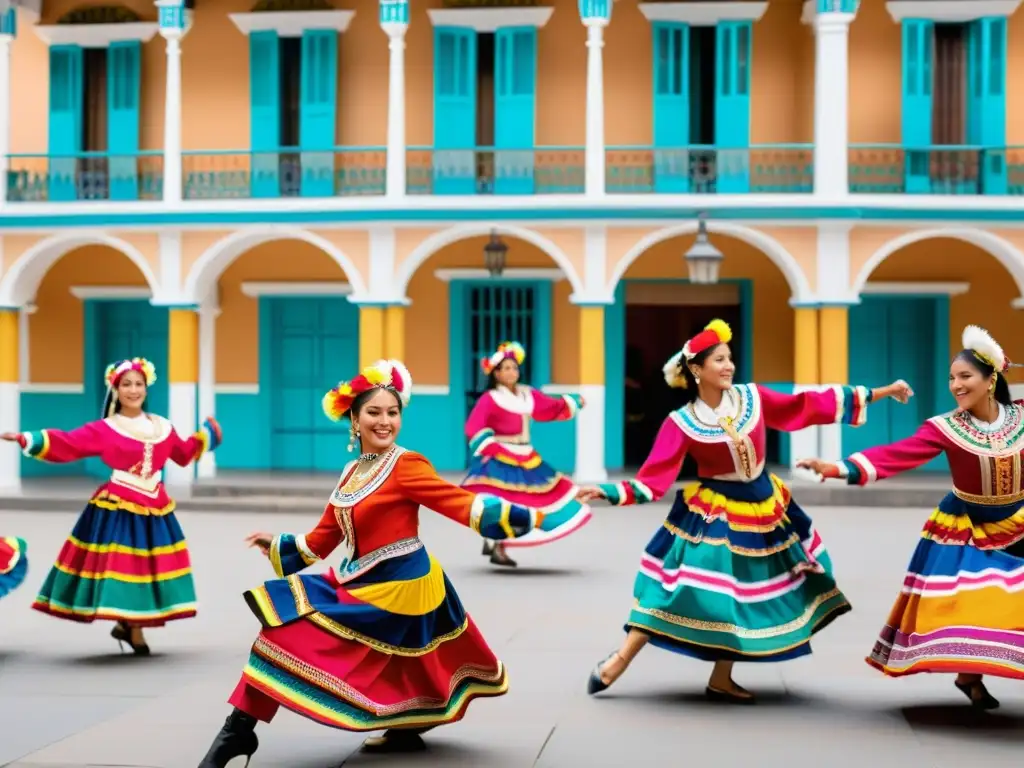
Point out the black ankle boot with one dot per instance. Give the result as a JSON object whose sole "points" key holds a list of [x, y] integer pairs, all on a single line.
{"points": [[236, 739]]}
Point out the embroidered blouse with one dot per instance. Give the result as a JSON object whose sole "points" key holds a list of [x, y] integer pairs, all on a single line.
{"points": [[375, 505], [136, 452], [500, 420], [984, 459], [729, 442]]}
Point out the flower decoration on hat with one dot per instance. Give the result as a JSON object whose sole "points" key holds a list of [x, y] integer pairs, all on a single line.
{"points": [[716, 332], [384, 374], [506, 350], [116, 370], [985, 348]]}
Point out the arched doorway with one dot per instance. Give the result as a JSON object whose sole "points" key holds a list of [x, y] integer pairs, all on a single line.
{"points": [[459, 314], [657, 309], [286, 332], [916, 299]]}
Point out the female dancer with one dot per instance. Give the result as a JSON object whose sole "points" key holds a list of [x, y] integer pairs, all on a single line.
{"points": [[506, 465], [381, 641], [13, 564], [126, 559], [737, 572], [960, 610]]}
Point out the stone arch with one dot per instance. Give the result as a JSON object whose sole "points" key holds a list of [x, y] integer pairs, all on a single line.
{"points": [[203, 274], [769, 246], [446, 237], [19, 285], [1004, 252]]}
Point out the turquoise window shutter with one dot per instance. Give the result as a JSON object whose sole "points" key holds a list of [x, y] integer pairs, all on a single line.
{"points": [[732, 105], [124, 61], [265, 113], [318, 111], [987, 106], [671, 106], [65, 136], [454, 111], [515, 89], [918, 48]]}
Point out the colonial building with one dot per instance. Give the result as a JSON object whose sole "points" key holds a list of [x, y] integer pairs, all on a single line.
{"points": [[260, 195]]}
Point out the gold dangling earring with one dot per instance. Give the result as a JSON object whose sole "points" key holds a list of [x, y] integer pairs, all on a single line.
{"points": [[352, 439]]}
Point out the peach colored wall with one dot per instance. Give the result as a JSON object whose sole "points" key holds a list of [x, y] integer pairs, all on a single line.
{"points": [[875, 92], [56, 340], [773, 317], [986, 303], [1015, 79], [782, 77], [426, 320], [238, 325]]}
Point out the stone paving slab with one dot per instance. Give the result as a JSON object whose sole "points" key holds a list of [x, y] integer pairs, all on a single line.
{"points": [[68, 699]]}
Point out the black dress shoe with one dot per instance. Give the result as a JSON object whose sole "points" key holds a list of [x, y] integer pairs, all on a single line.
{"points": [[595, 684], [979, 695]]}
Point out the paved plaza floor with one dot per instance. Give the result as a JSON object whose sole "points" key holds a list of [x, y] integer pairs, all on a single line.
{"points": [[68, 698]]}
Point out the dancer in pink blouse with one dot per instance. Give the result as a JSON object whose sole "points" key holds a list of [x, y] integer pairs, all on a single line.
{"points": [[737, 571], [505, 464]]}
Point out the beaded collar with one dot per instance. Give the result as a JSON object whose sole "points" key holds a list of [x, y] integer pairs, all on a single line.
{"points": [[363, 477], [1004, 435]]}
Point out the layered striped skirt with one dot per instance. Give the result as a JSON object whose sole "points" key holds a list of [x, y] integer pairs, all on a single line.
{"points": [[387, 646], [528, 480], [13, 564], [961, 608], [736, 572], [122, 562]]}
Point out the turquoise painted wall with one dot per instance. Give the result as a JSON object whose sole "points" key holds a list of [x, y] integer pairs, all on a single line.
{"points": [[55, 411]]}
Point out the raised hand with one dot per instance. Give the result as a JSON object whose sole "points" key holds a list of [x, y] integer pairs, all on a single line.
{"points": [[261, 540], [823, 469], [900, 391], [589, 493], [11, 437]]}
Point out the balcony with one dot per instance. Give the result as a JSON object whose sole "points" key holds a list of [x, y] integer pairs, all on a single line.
{"points": [[878, 169], [874, 169]]}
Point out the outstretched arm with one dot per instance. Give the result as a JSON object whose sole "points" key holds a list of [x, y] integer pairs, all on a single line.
{"points": [[832, 405], [290, 554], [655, 477], [57, 447], [491, 517], [561, 408], [207, 438], [882, 461], [479, 433]]}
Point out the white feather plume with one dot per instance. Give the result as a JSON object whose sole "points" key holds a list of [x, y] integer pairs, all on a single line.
{"points": [[673, 371], [403, 373], [980, 341]]}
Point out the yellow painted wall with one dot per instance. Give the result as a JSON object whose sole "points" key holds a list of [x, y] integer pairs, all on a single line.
{"points": [[56, 330], [773, 317], [987, 303], [426, 320], [238, 324]]}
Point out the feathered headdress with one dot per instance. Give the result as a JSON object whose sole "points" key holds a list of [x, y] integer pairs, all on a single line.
{"points": [[716, 332], [985, 348], [506, 350], [384, 374], [113, 375]]}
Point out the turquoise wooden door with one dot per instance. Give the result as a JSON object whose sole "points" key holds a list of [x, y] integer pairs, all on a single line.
{"points": [[308, 345], [917, 51], [264, 113], [124, 61], [65, 128], [986, 93], [454, 111], [515, 76], [121, 329], [671, 106], [318, 111], [732, 105], [899, 338]]}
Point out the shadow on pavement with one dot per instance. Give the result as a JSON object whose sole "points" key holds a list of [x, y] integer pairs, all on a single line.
{"points": [[1001, 725]]}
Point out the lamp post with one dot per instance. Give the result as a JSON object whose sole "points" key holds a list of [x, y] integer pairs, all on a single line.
{"points": [[494, 255], [703, 259]]}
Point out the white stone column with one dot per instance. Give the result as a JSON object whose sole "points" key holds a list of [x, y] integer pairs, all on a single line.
{"points": [[396, 173], [590, 434], [595, 149], [209, 311], [10, 398], [175, 21], [831, 103]]}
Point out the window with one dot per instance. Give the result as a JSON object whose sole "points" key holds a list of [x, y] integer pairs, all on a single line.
{"points": [[290, 163], [94, 172]]}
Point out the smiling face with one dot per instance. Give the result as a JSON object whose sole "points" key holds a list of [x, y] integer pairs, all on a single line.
{"points": [[718, 369], [378, 421], [131, 393], [507, 373], [968, 384]]}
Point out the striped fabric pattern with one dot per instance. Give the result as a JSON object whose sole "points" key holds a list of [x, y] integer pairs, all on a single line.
{"points": [[852, 405], [627, 492], [13, 564]]}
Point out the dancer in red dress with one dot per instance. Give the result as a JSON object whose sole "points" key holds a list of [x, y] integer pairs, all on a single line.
{"points": [[380, 641]]}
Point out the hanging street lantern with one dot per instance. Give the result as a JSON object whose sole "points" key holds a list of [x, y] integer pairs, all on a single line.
{"points": [[703, 259], [494, 255]]}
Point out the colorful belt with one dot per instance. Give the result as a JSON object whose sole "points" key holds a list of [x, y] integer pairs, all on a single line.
{"points": [[988, 500]]}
